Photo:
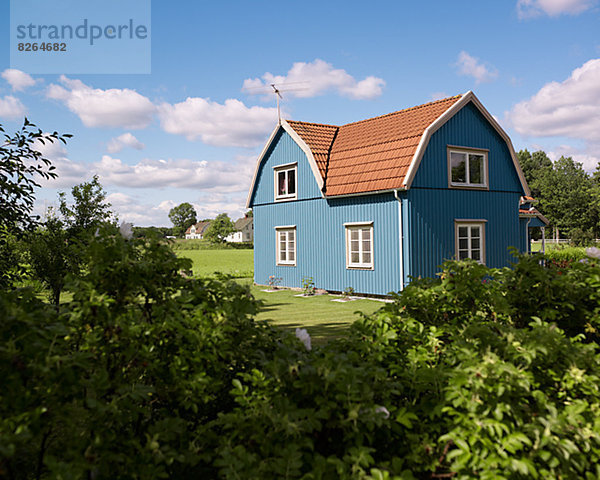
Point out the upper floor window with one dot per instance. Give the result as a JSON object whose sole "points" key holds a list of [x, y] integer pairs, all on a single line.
{"points": [[467, 168], [359, 245], [286, 182]]}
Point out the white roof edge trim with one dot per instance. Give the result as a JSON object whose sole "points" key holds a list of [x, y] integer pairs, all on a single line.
{"points": [[447, 115], [301, 143], [309, 155]]}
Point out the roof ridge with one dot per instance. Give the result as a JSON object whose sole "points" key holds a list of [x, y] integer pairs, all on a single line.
{"points": [[404, 110], [313, 123]]}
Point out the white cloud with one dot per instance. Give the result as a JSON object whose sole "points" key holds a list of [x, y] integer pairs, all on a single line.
{"points": [[569, 109], [140, 213], [229, 124], [117, 144], [470, 66], [209, 206], [552, 8], [181, 173], [11, 107], [316, 78], [17, 79], [103, 108], [143, 213], [587, 159]]}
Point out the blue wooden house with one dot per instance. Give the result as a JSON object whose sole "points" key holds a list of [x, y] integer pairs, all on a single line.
{"points": [[370, 204]]}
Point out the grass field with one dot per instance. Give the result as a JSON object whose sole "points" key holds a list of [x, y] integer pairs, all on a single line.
{"points": [[322, 317], [238, 263]]}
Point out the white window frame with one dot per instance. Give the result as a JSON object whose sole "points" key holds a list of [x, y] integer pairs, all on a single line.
{"points": [[285, 169], [470, 224], [360, 227], [283, 232], [467, 183]]}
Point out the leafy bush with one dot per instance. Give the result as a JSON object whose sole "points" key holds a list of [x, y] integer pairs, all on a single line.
{"points": [[118, 381], [308, 286], [146, 374], [568, 254]]}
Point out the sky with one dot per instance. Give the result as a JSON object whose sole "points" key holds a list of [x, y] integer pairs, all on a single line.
{"points": [[192, 129]]}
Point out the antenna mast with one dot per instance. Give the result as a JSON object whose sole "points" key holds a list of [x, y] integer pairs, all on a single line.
{"points": [[278, 96], [277, 91]]}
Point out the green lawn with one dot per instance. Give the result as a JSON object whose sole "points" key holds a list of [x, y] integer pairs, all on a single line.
{"points": [[239, 263], [322, 317]]}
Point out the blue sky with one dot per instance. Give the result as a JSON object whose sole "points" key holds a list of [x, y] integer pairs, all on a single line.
{"points": [[188, 131]]}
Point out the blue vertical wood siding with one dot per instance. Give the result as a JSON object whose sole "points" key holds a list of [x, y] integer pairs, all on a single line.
{"points": [[321, 243], [468, 128], [433, 207], [431, 217]]}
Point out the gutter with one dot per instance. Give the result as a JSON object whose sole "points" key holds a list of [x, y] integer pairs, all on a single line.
{"points": [[527, 236], [400, 239]]}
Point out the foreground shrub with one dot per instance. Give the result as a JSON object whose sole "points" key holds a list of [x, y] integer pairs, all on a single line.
{"points": [[565, 254], [146, 374], [118, 382]]}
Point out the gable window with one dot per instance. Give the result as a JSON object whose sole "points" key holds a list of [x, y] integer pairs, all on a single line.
{"points": [[286, 182], [359, 245], [470, 240], [467, 168], [286, 245]]}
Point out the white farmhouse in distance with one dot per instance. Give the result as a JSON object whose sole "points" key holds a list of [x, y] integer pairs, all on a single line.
{"points": [[244, 231], [197, 230]]}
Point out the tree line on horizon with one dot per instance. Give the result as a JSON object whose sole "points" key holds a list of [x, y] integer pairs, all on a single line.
{"points": [[567, 195]]}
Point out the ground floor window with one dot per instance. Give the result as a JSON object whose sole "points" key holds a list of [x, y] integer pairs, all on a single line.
{"points": [[359, 245], [470, 240], [286, 245]]}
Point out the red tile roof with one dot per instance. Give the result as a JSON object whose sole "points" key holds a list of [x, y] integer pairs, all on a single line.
{"points": [[533, 212], [369, 155]]}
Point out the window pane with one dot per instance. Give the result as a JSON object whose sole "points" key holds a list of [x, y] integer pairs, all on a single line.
{"points": [[366, 245], [366, 233], [476, 255], [291, 234], [458, 166], [282, 184], [475, 243], [366, 257], [291, 255], [462, 254], [354, 234], [475, 232], [463, 232], [475, 168], [291, 177], [354, 257], [282, 255], [354, 246], [463, 244]]}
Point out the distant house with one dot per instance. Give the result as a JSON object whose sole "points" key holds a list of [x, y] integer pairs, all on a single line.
{"points": [[244, 231], [197, 230], [374, 203]]}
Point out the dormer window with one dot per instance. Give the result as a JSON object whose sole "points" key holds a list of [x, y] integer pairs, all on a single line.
{"points": [[286, 182], [467, 168]]}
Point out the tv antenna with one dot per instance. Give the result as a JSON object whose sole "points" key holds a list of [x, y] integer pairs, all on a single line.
{"points": [[277, 89]]}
